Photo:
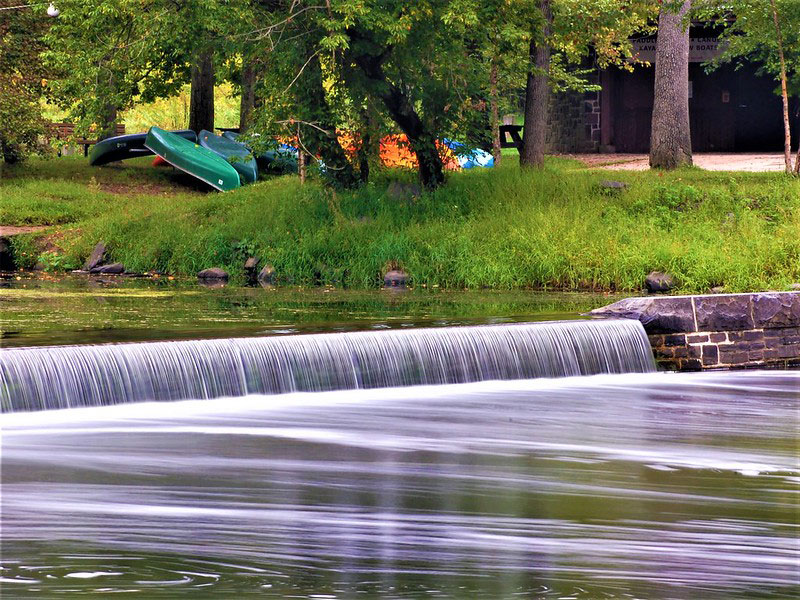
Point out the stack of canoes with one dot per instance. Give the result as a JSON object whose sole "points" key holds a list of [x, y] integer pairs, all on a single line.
{"points": [[225, 163], [221, 162], [195, 159]]}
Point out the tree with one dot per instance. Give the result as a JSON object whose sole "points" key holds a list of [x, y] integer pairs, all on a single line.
{"points": [[766, 33], [201, 101], [110, 55], [22, 79], [670, 138], [537, 92]]}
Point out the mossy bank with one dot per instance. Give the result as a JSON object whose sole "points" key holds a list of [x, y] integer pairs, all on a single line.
{"points": [[502, 228]]}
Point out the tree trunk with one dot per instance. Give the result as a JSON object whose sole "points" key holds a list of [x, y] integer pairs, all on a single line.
{"points": [[670, 138], [322, 139], [107, 119], [402, 112], [108, 125], [248, 96], [787, 132], [494, 114], [537, 94], [201, 104]]}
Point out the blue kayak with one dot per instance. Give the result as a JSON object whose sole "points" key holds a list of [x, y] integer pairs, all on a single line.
{"points": [[468, 159]]}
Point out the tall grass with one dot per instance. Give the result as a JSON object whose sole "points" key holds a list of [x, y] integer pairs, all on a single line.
{"points": [[503, 228]]}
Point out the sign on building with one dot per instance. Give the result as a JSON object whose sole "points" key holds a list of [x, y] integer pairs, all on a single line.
{"points": [[701, 49]]}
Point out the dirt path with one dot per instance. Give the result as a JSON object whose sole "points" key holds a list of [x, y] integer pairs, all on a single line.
{"points": [[751, 162], [6, 230]]}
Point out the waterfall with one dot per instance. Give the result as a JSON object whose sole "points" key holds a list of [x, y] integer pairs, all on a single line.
{"points": [[96, 375]]}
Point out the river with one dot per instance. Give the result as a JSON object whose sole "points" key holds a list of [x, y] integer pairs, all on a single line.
{"points": [[646, 485], [626, 485]]}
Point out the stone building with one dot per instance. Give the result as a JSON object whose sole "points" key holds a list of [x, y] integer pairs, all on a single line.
{"points": [[730, 109]]}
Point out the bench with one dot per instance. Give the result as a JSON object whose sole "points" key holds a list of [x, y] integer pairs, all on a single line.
{"points": [[65, 131]]}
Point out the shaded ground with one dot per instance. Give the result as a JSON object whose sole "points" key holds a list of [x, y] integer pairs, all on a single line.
{"points": [[752, 162]]}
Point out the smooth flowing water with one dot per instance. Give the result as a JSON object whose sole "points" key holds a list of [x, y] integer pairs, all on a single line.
{"points": [[613, 486], [626, 485]]}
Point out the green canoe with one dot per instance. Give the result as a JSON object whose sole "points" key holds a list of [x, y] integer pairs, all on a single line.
{"points": [[123, 147], [284, 160], [192, 159], [233, 152]]}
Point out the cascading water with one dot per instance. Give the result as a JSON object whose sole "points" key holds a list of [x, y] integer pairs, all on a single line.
{"points": [[97, 375]]}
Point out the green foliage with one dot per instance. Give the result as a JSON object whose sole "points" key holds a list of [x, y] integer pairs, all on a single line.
{"points": [[53, 261], [556, 228], [117, 54], [22, 80], [748, 30]]}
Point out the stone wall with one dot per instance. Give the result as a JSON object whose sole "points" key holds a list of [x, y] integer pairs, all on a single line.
{"points": [[574, 122], [691, 333]]}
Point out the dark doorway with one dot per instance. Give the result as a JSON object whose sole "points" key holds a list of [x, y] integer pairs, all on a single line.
{"points": [[730, 110]]}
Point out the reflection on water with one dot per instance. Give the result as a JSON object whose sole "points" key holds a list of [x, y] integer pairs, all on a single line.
{"points": [[649, 485], [74, 310]]}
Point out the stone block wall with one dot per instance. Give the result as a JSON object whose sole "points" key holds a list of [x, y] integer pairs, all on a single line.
{"points": [[691, 333], [574, 122]]}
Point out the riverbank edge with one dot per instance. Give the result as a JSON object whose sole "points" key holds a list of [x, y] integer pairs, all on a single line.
{"points": [[564, 227]]}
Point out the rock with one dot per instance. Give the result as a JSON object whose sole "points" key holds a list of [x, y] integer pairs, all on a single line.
{"points": [[112, 269], [395, 278], [214, 273], [6, 255], [250, 269], [659, 283], [403, 191], [251, 263], [96, 258], [666, 314], [613, 185], [266, 275], [724, 312]]}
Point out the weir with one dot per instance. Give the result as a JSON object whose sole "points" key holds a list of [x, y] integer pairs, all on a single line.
{"points": [[95, 375]]}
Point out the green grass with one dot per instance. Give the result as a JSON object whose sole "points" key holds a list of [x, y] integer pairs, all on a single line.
{"points": [[502, 228]]}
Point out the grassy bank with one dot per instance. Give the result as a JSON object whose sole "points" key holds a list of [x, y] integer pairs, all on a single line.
{"points": [[497, 228]]}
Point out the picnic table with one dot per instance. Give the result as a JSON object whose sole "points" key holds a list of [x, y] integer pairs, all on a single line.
{"points": [[65, 131], [515, 131]]}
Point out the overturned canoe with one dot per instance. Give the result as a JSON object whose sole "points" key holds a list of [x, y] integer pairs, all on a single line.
{"points": [[282, 160], [235, 153], [192, 159], [123, 147]]}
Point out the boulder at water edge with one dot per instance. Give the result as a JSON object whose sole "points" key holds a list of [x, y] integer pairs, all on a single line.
{"points": [[214, 273], [395, 278], [267, 275], [659, 283], [112, 269], [96, 258]]}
